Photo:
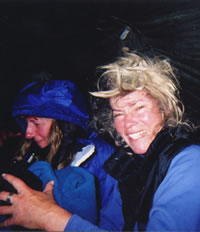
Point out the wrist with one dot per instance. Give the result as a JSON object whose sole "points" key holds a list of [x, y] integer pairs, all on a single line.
{"points": [[56, 219]]}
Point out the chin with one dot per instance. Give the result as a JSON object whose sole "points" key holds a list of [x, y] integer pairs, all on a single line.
{"points": [[41, 145], [140, 147], [139, 151]]}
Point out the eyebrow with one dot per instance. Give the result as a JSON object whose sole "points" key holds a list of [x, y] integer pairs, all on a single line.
{"points": [[126, 103], [32, 118]]}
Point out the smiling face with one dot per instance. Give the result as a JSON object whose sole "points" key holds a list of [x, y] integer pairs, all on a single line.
{"points": [[137, 119], [39, 130]]}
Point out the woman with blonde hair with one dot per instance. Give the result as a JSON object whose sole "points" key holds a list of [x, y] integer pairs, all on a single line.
{"points": [[156, 165], [58, 145]]}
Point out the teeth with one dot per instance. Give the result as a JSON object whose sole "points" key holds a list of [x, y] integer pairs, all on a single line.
{"points": [[137, 135]]}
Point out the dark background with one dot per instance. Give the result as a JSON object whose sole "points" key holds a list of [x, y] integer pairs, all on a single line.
{"points": [[68, 39]]}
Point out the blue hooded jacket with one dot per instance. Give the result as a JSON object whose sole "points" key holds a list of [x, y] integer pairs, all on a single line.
{"points": [[62, 100], [57, 99]]}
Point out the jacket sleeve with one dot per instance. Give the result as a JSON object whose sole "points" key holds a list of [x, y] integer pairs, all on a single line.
{"points": [[109, 200], [77, 223], [176, 204], [103, 151]]}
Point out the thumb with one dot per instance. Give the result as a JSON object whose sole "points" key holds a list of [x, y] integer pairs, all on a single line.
{"points": [[49, 187]]}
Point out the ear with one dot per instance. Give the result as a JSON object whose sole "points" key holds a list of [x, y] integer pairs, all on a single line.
{"points": [[165, 114]]}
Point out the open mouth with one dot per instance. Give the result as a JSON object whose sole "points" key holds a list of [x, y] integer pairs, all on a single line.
{"points": [[137, 135]]}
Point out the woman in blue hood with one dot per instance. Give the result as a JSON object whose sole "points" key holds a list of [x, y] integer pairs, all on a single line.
{"points": [[53, 117], [56, 108]]}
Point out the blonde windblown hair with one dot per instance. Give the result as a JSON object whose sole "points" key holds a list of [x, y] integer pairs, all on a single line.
{"points": [[135, 72]]}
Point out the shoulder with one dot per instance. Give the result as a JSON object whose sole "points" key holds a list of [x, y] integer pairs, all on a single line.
{"points": [[184, 168], [182, 179], [189, 157], [102, 147], [178, 194], [103, 151]]}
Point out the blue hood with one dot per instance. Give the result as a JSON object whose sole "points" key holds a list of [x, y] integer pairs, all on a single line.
{"points": [[57, 99]]}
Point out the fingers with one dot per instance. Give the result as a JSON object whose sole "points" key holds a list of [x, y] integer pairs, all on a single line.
{"points": [[7, 222], [16, 182], [5, 210], [5, 195], [49, 187]]}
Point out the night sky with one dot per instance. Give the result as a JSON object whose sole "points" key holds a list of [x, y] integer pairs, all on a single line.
{"points": [[68, 39]]}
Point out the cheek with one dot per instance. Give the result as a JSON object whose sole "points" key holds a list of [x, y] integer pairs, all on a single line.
{"points": [[48, 134], [145, 117], [45, 133], [152, 117], [119, 125], [156, 123]]}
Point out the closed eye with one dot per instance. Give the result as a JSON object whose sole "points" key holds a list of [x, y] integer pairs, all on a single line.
{"points": [[139, 107], [117, 115]]}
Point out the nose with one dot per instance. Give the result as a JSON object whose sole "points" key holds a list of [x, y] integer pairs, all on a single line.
{"points": [[130, 120], [29, 132]]}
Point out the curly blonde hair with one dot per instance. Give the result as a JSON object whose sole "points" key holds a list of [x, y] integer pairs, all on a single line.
{"points": [[62, 143], [55, 139], [134, 72]]}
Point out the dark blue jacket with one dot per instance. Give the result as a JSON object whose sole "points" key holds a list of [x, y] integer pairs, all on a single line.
{"points": [[74, 188], [62, 100]]}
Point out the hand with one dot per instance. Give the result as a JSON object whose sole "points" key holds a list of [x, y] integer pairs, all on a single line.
{"points": [[33, 209]]}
